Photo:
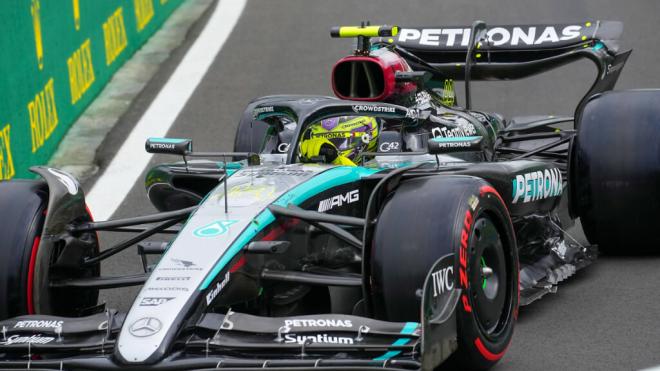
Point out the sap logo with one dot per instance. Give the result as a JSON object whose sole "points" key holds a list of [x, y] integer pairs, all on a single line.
{"points": [[537, 185], [217, 289], [318, 323], [319, 338], [443, 281], [462, 130], [214, 229], [38, 324], [497, 36], [339, 200], [154, 302], [34, 339]]}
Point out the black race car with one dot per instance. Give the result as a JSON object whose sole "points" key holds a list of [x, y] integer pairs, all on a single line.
{"points": [[417, 257]]}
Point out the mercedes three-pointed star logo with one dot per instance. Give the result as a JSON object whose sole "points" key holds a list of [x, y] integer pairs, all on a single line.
{"points": [[145, 327]]}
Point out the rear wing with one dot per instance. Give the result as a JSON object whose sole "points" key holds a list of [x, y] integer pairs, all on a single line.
{"points": [[516, 51]]}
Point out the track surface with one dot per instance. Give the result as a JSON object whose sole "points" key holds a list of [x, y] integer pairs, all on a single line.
{"points": [[606, 317]]}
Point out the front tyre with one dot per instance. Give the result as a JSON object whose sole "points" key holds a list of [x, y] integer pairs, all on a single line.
{"points": [[427, 218], [24, 253]]}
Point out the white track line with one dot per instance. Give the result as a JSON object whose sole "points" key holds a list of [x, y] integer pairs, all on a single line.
{"points": [[114, 184]]}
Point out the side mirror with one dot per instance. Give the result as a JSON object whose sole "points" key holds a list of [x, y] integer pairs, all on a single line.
{"points": [[171, 146], [442, 145]]}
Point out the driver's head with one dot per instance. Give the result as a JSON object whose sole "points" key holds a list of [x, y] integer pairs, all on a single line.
{"points": [[350, 136]]}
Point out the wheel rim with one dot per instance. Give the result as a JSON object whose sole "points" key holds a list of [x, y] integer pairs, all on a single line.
{"points": [[488, 282]]}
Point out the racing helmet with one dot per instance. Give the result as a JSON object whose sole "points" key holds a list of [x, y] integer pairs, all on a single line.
{"points": [[351, 135]]}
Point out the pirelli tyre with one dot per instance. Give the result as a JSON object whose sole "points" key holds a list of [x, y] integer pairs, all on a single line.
{"points": [[23, 205], [427, 218], [615, 171]]}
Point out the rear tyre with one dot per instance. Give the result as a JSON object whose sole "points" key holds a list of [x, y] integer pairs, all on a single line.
{"points": [[615, 171], [427, 218], [24, 204]]}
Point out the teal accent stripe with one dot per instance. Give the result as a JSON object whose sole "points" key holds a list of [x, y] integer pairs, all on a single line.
{"points": [[168, 140], [388, 355], [454, 139], [393, 353], [330, 178], [409, 328]]}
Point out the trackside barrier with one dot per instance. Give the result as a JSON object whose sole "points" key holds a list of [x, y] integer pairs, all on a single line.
{"points": [[55, 57]]}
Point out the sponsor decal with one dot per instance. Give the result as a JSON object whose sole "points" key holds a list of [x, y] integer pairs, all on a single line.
{"points": [[217, 289], [308, 101], [249, 193], [114, 36], [35, 10], [145, 327], [459, 144], [34, 339], [7, 169], [329, 322], [272, 172], [166, 278], [339, 200], [214, 229], [497, 36], [283, 147], [69, 183], [154, 301], [443, 281], [412, 113], [161, 145], [319, 338], [81, 71], [38, 324], [462, 130], [43, 115], [168, 289], [102, 326], [613, 68], [144, 11], [181, 265], [334, 135], [537, 185], [259, 111], [473, 201], [359, 108], [423, 99], [389, 146], [463, 258]]}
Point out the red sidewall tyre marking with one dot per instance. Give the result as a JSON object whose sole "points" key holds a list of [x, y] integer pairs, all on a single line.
{"points": [[30, 281], [487, 353]]}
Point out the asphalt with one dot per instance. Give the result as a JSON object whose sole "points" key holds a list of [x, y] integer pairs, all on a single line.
{"points": [[604, 318]]}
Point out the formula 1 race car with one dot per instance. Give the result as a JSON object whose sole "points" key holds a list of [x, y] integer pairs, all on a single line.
{"points": [[418, 256]]}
